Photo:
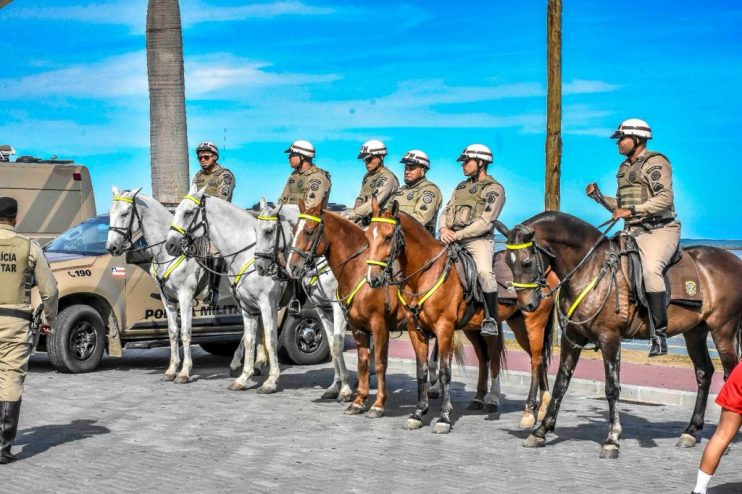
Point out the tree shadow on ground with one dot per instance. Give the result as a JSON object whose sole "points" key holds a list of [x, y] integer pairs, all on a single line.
{"points": [[731, 487], [44, 437]]}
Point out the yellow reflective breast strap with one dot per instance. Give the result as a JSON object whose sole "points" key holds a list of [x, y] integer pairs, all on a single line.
{"points": [[310, 217], [242, 272], [315, 278], [391, 221], [173, 266], [353, 292], [427, 295], [123, 199], [582, 295]]}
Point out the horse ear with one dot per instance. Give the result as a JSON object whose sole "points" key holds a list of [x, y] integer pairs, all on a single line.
{"points": [[500, 226], [302, 206], [201, 191], [193, 190], [263, 203], [136, 192], [116, 191], [374, 206], [395, 209]]}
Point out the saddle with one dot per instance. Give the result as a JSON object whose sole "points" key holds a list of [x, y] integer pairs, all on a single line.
{"points": [[467, 271], [681, 276]]}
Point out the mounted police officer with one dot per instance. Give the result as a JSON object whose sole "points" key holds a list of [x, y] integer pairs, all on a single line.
{"points": [[645, 202], [418, 197], [219, 182], [469, 219], [22, 266], [379, 181], [307, 182]]}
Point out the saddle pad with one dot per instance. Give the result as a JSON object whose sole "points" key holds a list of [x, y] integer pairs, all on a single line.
{"points": [[467, 271], [504, 277], [684, 282]]}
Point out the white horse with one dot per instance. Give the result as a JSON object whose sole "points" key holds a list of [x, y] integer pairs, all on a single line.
{"points": [[232, 231], [275, 235], [179, 279]]}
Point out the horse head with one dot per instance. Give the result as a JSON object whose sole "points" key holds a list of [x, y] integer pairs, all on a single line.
{"points": [[528, 265], [270, 241], [386, 240], [189, 222], [309, 240], [123, 221]]}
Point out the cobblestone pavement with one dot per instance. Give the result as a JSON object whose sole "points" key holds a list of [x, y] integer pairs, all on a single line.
{"points": [[122, 430]]}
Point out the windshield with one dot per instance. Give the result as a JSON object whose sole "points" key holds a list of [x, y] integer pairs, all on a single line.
{"points": [[88, 238]]}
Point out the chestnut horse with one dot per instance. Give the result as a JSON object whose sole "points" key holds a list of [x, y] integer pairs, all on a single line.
{"points": [[592, 277], [435, 300]]}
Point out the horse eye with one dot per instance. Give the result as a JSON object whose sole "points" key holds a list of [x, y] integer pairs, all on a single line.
{"points": [[188, 213], [388, 238], [527, 262]]}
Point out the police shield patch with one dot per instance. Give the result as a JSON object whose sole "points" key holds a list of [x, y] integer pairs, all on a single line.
{"points": [[428, 197], [690, 288]]}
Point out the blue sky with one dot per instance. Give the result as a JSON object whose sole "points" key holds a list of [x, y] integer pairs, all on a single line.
{"points": [[425, 75]]}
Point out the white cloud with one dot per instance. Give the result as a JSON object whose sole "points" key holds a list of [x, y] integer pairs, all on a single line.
{"points": [[581, 86]]}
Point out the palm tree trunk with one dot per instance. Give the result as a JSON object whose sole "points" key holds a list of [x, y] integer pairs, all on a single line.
{"points": [[168, 131]]}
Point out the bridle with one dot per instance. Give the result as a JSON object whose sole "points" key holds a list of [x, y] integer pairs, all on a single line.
{"points": [[192, 227], [398, 243], [311, 254], [277, 269], [539, 283], [128, 232]]}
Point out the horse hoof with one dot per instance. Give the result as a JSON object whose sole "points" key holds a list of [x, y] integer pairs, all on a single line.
{"points": [[476, 405], [491, 408], [181, 379], [235, 372], [266, 389], [375, 413], [168, 377], [527, 422], [609, 452], [345, 396], [533, 441], [235, 386], [353, 409], [413, 424], [330, 394], [441, 428], [686, 441]]}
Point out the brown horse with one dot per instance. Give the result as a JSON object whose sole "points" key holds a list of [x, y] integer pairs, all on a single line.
{"points": [[370, 312], [435, 301], [596, 308]]}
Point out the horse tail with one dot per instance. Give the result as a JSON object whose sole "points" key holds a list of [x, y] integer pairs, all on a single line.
{"points": [[549, 330], [458, 349], [501, 344]]}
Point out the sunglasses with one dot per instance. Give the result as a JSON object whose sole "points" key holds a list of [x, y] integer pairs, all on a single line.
{"points": [[368, 159], [205, 157]]}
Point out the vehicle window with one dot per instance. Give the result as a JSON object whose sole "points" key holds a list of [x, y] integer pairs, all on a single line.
{"points": [[89, 237]]}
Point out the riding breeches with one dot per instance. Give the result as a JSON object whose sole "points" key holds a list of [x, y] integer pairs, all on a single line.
{"points": [[482, 251], [656, 248]]}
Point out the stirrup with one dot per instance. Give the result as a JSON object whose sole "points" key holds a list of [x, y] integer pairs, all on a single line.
{"points": [[659, 347], [294, 307], [489, 322], [213, 297]]}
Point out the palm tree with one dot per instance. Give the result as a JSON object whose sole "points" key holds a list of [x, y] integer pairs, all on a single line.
{"points": [[168, 131]]}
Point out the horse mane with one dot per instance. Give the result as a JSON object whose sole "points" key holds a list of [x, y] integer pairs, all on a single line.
{"points": [[416, 228], [562, 227]]}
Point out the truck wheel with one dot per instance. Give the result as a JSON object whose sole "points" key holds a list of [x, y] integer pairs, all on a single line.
{"points": [[226, 349], [78, 340], [303, 339]]}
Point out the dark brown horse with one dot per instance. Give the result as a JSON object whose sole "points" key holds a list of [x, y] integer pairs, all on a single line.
{"points": [[370, 312], [596, 308], [435, 301]]}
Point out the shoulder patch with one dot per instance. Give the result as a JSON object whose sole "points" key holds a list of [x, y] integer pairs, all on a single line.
{"points": [[658, 187], [428, 197], [461, 186], [228, 178], [225, 191], [380, 181], [410, 196], [492, 197], [314, 184], [656, 175]]}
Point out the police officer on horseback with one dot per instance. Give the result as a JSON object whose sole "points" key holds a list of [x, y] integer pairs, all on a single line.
{"points": [[645, 202], [418, 197], [469, 220], [22, 266], [218, 182], [307, 182], [379, 181]]}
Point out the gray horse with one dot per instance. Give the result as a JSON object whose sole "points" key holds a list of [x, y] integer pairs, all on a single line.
{"points": [[275, 235], [231, 230], [179, 279]]}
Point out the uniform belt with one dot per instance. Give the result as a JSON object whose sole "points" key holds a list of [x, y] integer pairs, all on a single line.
{"points": [[653, 224], [20, 314]]}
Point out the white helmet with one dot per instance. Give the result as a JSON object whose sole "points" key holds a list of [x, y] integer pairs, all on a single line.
{"points": [[416, 157], [208, 146], [633, 127], [302, 148], [372, 148], [477, 152]]}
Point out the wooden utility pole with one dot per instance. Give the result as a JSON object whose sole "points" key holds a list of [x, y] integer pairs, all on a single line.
{"points": [[553, 103]]}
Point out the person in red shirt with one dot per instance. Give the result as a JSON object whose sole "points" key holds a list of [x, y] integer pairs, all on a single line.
{"points": [[730, 400]]}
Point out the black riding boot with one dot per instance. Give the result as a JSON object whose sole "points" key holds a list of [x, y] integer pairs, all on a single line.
{"points": [[657, 302], [218, 265], [489, 325], [9, 413]]}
